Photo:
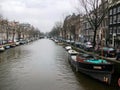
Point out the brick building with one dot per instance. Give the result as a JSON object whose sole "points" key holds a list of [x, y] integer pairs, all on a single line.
{"points": [[114, 24]]}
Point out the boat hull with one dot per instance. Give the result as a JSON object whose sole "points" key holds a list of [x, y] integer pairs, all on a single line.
{"points": [[101, 72], [103, 76]]}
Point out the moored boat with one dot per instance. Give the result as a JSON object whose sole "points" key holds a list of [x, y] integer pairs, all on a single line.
{"points": [[68, 48], [2, 49], [7, 46], [99, 69], [72, 54]]}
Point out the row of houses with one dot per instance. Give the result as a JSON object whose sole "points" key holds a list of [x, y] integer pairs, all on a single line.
{"points": [[114, 23], [12, 31], [78, 28]]}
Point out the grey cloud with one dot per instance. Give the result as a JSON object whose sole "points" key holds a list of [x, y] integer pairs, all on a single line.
{"points": [[41, 13]]}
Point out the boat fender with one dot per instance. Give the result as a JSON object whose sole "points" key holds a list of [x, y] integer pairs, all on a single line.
{"points": [[119, 82]]}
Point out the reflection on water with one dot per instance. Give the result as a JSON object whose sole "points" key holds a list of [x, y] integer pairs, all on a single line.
{"points": [[42, 65], [13, 53]]}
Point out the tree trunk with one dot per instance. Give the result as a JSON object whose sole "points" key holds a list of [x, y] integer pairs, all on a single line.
{"points": [[7, 35], [13, 37], [94, 38]]}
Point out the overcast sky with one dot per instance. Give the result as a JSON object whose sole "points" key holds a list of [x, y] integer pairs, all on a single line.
{"points": [[40, 13]]}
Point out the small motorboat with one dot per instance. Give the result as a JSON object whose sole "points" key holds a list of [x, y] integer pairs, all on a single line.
{"points": [[2, 49], [68, 48], [72, 52]]}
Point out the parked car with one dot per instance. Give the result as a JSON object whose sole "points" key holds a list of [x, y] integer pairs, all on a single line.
{"points": [[17, 43], [11, 43], [68, 41], [77, 44], [72, 42], [88, 46], [4, 42], [22, 41], [107, 52]]}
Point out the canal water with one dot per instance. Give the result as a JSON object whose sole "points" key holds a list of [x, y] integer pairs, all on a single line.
{"points": [[42, 65]]}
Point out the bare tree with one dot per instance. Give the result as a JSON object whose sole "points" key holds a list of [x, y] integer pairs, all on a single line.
{"points": [[6, 28], [14, 29], [56, 29], [95, 11]]}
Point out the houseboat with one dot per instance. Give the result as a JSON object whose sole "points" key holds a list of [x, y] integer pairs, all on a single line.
{"points": [[99, 69]]}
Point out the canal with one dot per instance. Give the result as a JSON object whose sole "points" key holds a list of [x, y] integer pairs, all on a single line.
{"points": [[42, 65]]}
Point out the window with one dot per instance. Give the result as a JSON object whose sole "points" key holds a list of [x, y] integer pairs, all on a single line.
{"points": [[110, 12], [110, 30], [114, 19], [119, 9], [114, 11], [118, 18], [118, 30], [111, 20], [114, 29]]}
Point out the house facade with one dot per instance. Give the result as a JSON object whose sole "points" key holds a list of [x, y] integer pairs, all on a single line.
{"points": [[87, 31], [114, 24], [71, 27]]}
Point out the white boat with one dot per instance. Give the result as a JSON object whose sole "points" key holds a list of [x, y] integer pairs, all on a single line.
{"points": [[72, 55], [72, 52], [2, 48], [68, 48]]}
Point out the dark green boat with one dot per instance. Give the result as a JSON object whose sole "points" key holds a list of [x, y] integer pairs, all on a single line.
{"points": [[99, 69]]}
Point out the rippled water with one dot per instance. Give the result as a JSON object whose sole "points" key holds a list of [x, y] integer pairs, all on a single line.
{"points": [[42, 65]]}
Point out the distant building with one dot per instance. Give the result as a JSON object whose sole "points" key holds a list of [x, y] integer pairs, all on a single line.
{"points": [[71, 27]]}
